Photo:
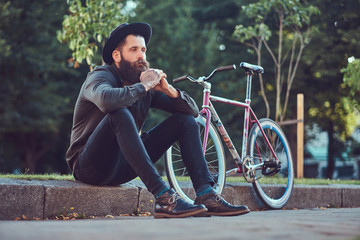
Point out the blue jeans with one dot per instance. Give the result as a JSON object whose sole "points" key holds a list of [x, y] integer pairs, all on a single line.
{"points": [[115, 153]]}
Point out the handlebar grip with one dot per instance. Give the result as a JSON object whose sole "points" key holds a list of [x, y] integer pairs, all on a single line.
{"points": [[180, 79], [226, 68]]}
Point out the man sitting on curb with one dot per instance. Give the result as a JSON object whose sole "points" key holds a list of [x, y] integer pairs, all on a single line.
{"points": [[105, 146]]}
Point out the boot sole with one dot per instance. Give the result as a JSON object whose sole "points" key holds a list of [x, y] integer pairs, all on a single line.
{"points": [[209, 214], [183, 215]]}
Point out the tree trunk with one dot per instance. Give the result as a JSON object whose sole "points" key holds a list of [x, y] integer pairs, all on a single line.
{"points": [[263, 94], [32, 147], [278, 70], [30, 160], [331, 155], [30, 152]]}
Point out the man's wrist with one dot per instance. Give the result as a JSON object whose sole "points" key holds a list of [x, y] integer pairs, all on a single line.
{"points": [[172, 92], [146, 85]]}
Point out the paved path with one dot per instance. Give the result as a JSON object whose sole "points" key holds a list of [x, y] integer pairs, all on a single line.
{"points": [[333, 223]]}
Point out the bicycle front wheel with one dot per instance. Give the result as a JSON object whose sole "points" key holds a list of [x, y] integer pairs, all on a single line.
{"points": [[273, 189], [177, 172]]}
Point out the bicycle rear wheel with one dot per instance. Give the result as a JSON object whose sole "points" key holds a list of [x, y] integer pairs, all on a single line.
{"points": [[273, 190], [215, 158]]}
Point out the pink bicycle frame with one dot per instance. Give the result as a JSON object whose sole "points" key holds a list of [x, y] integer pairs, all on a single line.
{"points": [[209, 112]]}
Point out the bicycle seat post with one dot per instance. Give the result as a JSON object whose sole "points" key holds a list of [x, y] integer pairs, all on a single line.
{"points": [[250, 70], [249, 75]]}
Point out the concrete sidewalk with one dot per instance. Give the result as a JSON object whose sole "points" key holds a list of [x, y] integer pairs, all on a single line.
{"points": [[46, 199], [319, 224]]}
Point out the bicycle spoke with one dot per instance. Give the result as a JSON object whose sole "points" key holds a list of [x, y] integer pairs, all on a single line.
{"points": [[178, 162], [184, 172], [211, 153]]}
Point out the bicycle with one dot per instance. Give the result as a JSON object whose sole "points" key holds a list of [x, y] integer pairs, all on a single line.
{"points": [[265, 160]]}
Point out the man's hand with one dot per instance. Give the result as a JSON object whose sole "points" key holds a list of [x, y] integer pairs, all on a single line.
{"points": [[156, 79], [151, 77], [166, 88]]}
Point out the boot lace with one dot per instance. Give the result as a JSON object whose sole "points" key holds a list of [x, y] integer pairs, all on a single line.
{"points": [[219, 197], [174, 197]]}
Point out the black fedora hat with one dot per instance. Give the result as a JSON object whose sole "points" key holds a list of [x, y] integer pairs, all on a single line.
{"points": [[119, 33]]}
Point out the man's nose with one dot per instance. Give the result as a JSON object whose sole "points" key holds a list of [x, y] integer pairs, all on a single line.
{"points": [[141, 55]]}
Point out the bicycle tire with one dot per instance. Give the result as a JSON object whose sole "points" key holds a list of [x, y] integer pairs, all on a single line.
{"points": [[274, 191], [215, 159]]}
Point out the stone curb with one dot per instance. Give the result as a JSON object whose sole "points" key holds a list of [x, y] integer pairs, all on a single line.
{"points": [[46, 199]]}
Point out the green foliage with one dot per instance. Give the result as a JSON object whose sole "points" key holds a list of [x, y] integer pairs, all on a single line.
{"points": [[284, 41], [4, 18], [87, 25], [244, 34], [329, 104], [336, 41], [34, 95], [294, 12], [352, 75], [29, 69]]}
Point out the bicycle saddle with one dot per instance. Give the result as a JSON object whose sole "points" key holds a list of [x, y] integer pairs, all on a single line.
{"points": [[250, 68]]}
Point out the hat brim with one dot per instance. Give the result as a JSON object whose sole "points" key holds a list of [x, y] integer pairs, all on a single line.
{"points": [[142, 29]]}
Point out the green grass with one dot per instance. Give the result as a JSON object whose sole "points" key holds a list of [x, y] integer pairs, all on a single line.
{"points": [[304, 181], [314, 181], [52, 176]]}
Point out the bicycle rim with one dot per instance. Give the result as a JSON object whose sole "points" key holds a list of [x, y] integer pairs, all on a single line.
{"points": [[177, 173], [274, 190]]}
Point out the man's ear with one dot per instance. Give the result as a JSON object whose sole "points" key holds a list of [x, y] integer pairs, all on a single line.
{"points": [[116, 56]]}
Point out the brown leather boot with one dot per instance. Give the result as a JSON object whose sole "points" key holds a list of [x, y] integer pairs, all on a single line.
{"points": [[171, 205], [217, 205]]}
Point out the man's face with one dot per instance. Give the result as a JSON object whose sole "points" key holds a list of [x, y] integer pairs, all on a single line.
{"points": [[133, 59]]}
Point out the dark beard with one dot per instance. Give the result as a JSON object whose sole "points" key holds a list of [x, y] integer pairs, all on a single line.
{"points": [[130, 71]]}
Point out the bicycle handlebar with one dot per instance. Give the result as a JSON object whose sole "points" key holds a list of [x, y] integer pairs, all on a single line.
{"points": [[219, 69], [180, 79], [225, 68], [250, 69]]}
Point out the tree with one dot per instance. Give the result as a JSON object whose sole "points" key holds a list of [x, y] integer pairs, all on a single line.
{"points": [[87, 25], [293, 33], [33, 78], [352, 75], [326, 95]]}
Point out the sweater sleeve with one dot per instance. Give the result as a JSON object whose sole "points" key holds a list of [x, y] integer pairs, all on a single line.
{"points": [[183, 104], [100, 90]]}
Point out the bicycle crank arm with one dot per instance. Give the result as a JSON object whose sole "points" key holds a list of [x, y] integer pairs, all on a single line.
{"points": [[232, 172], [249, 169]]}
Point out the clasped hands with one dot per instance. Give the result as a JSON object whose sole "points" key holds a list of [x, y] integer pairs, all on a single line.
{"points": [[154, 78]]}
